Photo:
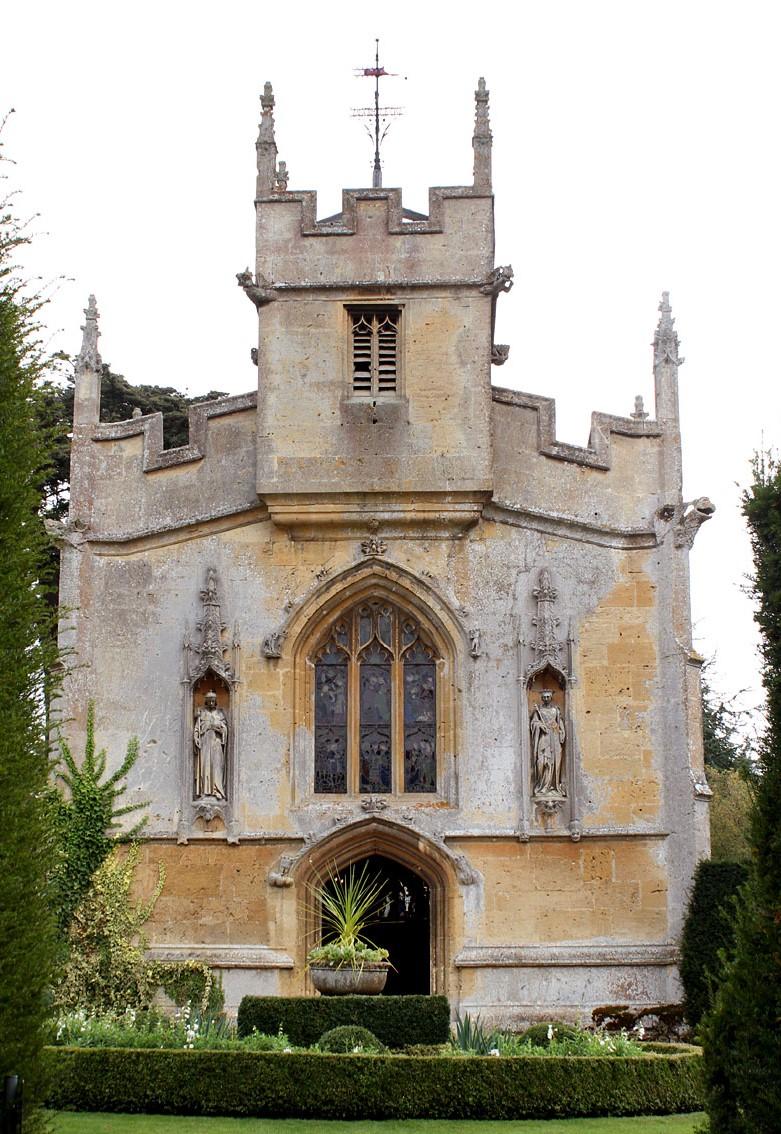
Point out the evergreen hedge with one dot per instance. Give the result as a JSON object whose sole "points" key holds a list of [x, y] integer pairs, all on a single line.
{"points": [[396, 1021], [741, 1034], [709, 927], [313, 1085]]}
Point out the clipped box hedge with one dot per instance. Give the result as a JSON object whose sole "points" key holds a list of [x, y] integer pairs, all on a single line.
{"points": [[314, 1085], [397, 1021]]}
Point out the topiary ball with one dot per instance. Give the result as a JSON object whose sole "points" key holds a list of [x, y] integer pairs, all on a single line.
{"points": [[347, 1038], [537, 1034]]}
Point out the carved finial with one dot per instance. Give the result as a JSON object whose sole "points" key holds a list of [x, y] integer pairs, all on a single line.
{"points": [[281, 178], [266, 145], [640, 413], [481, 139], [88, 357], [666, 337]]}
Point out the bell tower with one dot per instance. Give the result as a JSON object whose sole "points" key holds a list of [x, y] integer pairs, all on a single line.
{"points": [[374, 351]]}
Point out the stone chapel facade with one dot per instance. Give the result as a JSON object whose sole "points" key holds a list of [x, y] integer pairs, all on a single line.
{"points": [[374, 610]]}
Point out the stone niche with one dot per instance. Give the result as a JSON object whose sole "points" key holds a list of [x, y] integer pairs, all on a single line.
{"points": [[549, 801], [208, 761]]}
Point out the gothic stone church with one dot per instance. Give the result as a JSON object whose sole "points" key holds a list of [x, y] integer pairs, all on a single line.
{"points": [[375, 611]]}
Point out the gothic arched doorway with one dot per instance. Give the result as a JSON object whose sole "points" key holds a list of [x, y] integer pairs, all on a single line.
{"points": [[402, 925], [418, 942]]}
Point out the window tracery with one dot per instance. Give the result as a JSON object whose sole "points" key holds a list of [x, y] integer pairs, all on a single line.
{"points": [[375, 353], [375, 710]]}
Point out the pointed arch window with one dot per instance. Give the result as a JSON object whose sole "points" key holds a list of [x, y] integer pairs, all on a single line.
{"points": [[375, 351], [375, 712]]}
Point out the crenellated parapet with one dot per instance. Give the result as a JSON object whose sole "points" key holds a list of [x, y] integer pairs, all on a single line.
{"points": [[598, 453], [399, 220], [150, 427]]}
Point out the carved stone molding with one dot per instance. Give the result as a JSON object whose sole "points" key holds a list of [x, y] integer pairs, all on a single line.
{"points": [[281, 874], [223, 956], [586, 956], [500, 352]]}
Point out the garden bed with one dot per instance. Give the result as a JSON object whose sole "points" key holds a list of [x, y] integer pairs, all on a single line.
{"points": [[316, 1085]]}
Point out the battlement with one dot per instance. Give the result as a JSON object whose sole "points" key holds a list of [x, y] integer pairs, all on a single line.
{"points": [[370, 243]]}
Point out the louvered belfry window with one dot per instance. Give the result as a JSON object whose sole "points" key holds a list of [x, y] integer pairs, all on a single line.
{"points": [[375, 346], [375, 711]]}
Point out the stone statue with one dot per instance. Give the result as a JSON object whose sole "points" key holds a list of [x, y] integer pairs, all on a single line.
{"points": [[547, 736], [210, 737]]}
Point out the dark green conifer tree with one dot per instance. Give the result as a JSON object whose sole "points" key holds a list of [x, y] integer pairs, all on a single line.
{"points": [[26, 932], [742, 1034]]}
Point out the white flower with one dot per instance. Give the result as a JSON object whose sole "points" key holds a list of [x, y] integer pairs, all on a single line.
{"points": [[550, 1032], [494, 1051], [287, 1050]]}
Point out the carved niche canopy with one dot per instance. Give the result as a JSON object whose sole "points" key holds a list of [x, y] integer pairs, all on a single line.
{"points": [[211, 653], [548, 739], [211, 665], [546, 647]]}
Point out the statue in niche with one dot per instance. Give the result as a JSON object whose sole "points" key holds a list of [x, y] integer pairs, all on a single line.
{"points": [[547, 736], [210, 738]]}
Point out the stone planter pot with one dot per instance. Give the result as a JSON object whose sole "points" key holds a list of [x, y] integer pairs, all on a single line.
{"points": [[369, 980]]}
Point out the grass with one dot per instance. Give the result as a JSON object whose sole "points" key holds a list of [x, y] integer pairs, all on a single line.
{"points": [[68, 1123]]}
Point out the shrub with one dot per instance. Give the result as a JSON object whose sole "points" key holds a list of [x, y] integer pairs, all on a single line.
{"points": [[26, 661], [396, 1020], [190, 982], [313, 1085], [741, 1034], [709, 928], [541, 1034], [86, 811], [350, 1038], [145, 1029], [471, 1037], [106, 968]]}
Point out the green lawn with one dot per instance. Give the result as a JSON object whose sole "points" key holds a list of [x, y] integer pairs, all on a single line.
{"points": [[66, 1123]]}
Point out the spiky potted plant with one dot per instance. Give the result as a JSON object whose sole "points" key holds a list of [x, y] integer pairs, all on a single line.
{"points": [[346, 962]]}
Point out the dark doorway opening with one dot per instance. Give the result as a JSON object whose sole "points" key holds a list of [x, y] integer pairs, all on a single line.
{"points": [[403, 925]]}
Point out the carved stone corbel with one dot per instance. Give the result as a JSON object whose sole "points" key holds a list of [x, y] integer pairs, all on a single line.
{"points": [[373, 546], [272, 644], [280, 876], [374, 803], [500, 352]]}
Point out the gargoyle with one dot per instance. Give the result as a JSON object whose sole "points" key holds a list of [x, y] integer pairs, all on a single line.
{"points": [[260, 291]]}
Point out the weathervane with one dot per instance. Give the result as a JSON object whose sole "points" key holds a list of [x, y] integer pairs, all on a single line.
{"points": [[381, 115]]}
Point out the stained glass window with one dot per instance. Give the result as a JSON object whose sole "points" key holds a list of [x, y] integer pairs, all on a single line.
{"points": [[375, 711], [420, 719], [331, 699]]}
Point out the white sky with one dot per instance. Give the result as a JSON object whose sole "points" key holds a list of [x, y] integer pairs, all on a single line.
{"points": [[635, 150]]}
